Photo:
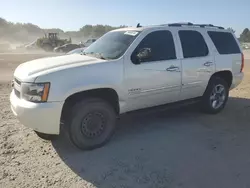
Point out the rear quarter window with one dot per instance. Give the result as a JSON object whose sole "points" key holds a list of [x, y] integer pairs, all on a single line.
{"points": [[224, 42]]}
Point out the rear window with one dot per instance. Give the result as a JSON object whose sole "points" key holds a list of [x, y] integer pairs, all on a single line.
{"points": [[224, 42]]}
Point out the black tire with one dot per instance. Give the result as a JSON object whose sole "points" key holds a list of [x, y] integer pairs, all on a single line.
{"points": [[92, 123], [207, 103], [46, 136]]}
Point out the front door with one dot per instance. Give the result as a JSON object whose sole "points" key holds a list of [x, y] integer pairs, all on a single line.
{"points": [[154, 78]]}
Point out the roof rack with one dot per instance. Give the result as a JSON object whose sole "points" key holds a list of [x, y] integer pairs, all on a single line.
{"points": [[138, 25], [186, 24], [210, 25], [180, 24], [195, 25]]}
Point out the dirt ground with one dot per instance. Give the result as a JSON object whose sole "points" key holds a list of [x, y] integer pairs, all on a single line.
{"points": [[174, 148]]}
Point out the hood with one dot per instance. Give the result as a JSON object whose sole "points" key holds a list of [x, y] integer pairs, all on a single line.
{"points": [[30, 68]]}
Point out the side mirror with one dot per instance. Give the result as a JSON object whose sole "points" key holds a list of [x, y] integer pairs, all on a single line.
{"points": [[143, 55]]}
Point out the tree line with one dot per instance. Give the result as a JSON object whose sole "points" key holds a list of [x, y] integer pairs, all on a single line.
{"points": [[97, 30], [245, 35], [29, 31]]}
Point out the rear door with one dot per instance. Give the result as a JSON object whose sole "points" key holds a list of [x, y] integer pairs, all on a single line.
{"points": [[197, 62]]}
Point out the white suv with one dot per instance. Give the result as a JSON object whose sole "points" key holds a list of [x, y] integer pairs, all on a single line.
{"points": [[125, 70]]}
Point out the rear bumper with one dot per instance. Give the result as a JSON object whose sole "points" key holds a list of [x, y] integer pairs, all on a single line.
{"points": [[43, 117], [237, 79]]}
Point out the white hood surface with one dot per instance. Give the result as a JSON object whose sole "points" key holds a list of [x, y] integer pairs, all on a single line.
{"points": [[30, 68]]}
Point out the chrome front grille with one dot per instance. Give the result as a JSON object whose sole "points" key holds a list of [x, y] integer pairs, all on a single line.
{"points": [[17, 81], [17, 87], [17, 93]]}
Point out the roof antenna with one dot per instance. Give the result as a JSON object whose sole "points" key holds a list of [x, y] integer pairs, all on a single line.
{"points": [[138, 25]]}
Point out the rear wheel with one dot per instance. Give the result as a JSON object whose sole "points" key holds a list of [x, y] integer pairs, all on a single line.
{"points": [[215, 96], [92, 123]]}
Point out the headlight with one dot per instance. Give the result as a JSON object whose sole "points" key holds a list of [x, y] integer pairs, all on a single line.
{"points": [[35, 92]]}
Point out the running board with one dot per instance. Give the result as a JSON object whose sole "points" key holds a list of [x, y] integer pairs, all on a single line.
{"points": [[164, 107]]}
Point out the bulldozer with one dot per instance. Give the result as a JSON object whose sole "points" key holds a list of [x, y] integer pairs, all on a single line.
{"points": [[50, 41]]}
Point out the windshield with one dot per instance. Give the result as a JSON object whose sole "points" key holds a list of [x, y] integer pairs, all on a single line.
{"points": [[76, 51], [112, 45]]}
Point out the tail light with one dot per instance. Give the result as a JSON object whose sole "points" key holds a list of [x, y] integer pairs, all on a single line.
{"points": [[242, 62]]}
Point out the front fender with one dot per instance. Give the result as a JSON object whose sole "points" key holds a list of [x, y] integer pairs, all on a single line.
{"points": [[87, 88], [77, 79]]}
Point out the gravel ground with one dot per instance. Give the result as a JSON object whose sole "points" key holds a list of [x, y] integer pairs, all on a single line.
{"points": [[174, 148]]}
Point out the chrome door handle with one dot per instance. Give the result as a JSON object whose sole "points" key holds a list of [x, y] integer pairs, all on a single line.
{"points": [[208, 64], [173, 69]]}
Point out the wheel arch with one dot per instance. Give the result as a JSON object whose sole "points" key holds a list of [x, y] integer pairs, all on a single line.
{"points": [[108, 94], [226, 75]]}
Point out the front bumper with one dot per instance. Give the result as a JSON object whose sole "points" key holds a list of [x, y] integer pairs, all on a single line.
{"points": [[237, 79], [42, 117]]}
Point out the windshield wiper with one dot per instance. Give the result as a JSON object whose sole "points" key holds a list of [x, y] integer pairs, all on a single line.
{"points": [[97, 55], [83, 53], [101, 57]]}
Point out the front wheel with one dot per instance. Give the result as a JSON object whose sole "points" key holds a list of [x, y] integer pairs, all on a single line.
{"points": [[215, 96], [92, 124]]}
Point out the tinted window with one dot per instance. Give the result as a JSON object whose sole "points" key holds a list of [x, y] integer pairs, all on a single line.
{"points": [[193, 44], [224, 42], [161, 44]]}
